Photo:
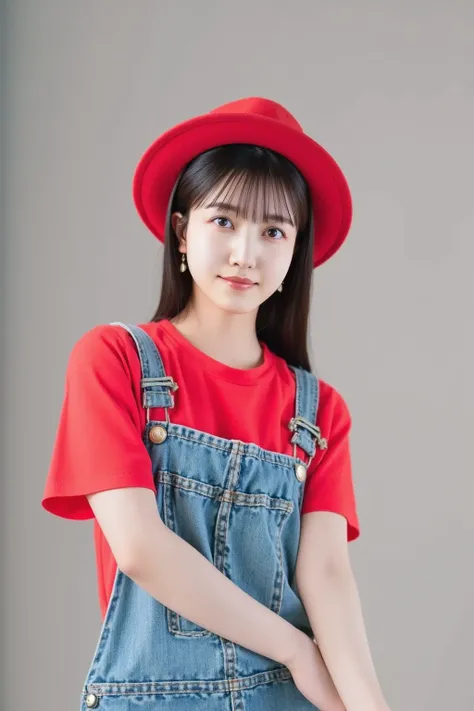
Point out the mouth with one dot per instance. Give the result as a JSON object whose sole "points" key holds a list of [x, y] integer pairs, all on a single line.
{"points": [[238, 282]]}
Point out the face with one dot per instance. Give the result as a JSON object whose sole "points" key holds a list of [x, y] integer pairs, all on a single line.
{"points": [[218, 245]]}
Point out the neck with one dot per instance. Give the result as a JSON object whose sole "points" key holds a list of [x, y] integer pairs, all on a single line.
{"points": [[229, 338]]}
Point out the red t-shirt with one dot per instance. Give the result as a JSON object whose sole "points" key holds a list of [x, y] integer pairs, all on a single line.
{"points": [[99, 442]]}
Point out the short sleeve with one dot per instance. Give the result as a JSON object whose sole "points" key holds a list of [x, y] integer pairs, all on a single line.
{"points": [[98, 444], [329, 483]]}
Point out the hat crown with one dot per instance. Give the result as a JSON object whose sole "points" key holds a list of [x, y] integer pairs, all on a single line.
{"points": [[256, 121], [258, 106]]}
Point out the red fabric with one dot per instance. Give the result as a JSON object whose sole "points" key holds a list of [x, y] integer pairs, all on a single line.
{"points": [[99, 443], [253, 120]]}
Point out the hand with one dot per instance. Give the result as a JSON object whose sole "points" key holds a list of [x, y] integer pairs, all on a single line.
{"points": [[312, 677]]}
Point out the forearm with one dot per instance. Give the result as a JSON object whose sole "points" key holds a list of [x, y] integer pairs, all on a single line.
{"points": [[333, 605], [182, 579]]}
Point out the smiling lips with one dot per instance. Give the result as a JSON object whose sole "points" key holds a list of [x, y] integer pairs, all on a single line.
{"points": [[239, 282]]}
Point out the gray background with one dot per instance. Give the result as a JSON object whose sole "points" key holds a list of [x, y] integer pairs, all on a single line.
{"points": [[388, 89]]}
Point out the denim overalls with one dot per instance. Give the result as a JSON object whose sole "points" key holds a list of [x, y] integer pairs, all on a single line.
{"points": [[239, 505]]}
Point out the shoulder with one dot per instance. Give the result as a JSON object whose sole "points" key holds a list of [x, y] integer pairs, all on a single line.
{"points": [[332, 405], [102, 346], [99, 339], [105, 344]]}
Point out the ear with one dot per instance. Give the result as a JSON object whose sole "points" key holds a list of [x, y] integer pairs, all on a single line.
{"points": [[178, 223]]}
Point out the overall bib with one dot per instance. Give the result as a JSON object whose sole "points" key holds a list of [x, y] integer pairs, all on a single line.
{"points": [[240, 506]]}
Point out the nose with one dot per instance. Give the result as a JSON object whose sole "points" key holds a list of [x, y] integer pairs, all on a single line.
{"points": [[243, 249]]}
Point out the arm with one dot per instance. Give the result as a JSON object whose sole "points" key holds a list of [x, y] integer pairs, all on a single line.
{"points": [[182, 579], [329, 593]]}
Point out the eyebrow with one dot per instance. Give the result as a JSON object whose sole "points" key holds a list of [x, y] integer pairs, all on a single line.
{"points": [[227, 207]]}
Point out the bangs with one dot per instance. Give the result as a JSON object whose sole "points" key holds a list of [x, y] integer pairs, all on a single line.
{"points": [[259, 184]]}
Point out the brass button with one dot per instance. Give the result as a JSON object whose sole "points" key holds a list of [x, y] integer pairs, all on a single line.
{"points": [[92, 701], [157, 434], [300, 472]]}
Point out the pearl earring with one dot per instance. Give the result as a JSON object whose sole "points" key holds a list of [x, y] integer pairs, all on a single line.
{"points": [[183, 266], [280, 288]]}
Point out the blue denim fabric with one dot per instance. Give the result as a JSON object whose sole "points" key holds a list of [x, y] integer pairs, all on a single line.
{"points": [[240, 506]]}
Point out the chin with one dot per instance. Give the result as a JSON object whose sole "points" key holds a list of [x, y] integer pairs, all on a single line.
{"points": [[237, 302], [236, 308]]}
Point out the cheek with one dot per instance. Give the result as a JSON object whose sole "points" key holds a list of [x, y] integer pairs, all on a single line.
{"points": [[278, 262], [204, 255]]}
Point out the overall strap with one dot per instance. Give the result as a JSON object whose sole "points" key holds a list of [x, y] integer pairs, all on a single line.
{"points": [[306, 433], [156, 385]]}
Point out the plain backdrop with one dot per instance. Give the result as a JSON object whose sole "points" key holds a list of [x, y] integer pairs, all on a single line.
{"points": [[388, 89]]}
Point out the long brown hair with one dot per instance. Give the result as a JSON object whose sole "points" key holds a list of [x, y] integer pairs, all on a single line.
{"points": [[282, 320]]}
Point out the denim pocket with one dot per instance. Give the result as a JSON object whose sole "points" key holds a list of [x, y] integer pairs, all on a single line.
{"points": [[255, 557], [190, 510], [239, 533]]}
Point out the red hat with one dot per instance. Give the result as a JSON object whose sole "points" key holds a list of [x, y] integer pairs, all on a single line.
{"points": [[261, 122]]}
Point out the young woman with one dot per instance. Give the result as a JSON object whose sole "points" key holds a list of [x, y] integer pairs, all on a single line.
{"points": [[214, 462]]}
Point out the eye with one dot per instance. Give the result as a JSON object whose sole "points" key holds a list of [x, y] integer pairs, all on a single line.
{"points": [[220, 220], [273, 230]]}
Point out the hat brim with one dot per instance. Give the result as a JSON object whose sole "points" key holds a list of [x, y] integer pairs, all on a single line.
{"points": [[162, 163]]}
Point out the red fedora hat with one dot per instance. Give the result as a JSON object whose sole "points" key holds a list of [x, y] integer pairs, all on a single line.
{"points": [[257, 121]]}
